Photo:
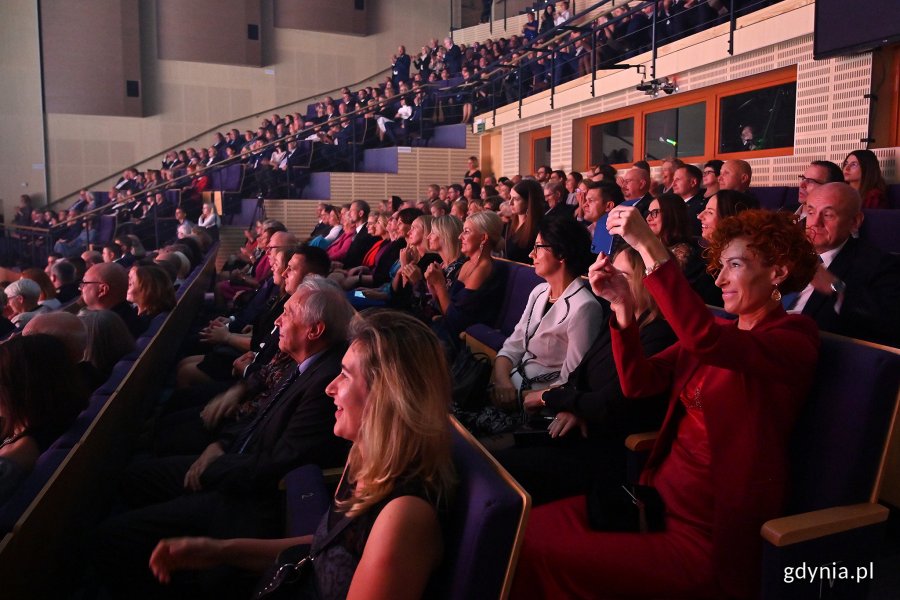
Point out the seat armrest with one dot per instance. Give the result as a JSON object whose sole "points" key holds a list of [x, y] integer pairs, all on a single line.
{"points": [[476, 346], [821, 523], [641, 442]]}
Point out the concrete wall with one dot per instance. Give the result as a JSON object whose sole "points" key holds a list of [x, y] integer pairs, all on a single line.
{"points": [[333, 16], [210, 31], [21, 125], [182, 98], [86, 73]]}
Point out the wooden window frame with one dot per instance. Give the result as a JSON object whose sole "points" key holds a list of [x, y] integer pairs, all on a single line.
{"points": [[750, 84], [620, 114], [712, 95], [533, 136]]}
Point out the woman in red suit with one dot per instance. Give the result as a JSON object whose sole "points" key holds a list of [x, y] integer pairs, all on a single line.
{"points": [[720, 463]]}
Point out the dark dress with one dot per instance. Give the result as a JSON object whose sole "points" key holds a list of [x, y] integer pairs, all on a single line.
{"points": [[336, 564]]}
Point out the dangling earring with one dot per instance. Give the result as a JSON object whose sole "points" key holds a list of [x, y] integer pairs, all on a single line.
{"points": [[776, 294]]}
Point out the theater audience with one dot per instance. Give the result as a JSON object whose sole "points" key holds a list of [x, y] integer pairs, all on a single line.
{"points": [[63, 275], [710, 181], [231, 489], [107, 340], [735, 391], [735, 175], [856, 288], [35, 409], [407, 292], [22, 301], [47, 300], [669, 221], [686, 183], [863, 173], [474, 297], [392, 395], [105, 287], [561, 318], [151, 291], [588, 417], [724, 203], [528, 205], [636, 188], [819, 172]]}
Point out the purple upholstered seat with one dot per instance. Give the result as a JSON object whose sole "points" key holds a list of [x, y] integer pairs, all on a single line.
{"points": [[882, 228], [484, 527], [307, 500], [46, 466], [772, 198], [521, 279], [836, 452]]}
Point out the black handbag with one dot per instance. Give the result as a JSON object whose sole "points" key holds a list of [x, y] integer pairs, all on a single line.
{"points": [[292, 576], [626, 508], [470, 375]]}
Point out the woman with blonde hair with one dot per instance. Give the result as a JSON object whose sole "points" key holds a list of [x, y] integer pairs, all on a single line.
{"points": [[475, 295], [383, 531]]}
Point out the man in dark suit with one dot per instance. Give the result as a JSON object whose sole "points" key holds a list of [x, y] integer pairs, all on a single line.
{"points": [[686, 183], [453, 59], [636, 188], [856, 291], [363, 240], [400, 67], [555, 194], [231, 489]]}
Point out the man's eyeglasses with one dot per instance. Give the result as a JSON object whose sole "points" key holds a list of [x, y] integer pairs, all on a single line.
{"points": [[807, 180], [271, 248]]}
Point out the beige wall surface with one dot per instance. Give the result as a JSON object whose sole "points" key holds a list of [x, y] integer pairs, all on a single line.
{"points": [[334, 16], [21, 126], [87, 74], [182, 99], [212, 31]]}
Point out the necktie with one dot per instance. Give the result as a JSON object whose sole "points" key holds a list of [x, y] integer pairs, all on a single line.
{"points": [[275, 399]]}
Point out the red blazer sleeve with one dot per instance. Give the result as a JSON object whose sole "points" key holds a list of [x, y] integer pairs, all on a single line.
{"points": [[712, 341]]}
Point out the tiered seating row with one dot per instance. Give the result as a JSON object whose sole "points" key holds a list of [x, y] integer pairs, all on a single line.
{"points": [[47, 522]]}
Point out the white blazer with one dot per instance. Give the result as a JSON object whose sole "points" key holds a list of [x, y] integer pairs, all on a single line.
{"points": [[558, 340]]}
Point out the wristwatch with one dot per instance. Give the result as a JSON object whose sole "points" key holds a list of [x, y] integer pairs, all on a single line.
{"points": [[838, 287]]}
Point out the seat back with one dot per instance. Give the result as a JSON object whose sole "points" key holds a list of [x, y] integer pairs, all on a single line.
{"points": [[880, 228], [839, 443], [483, 534], [519, 283], [106, 231], [232, 176]]}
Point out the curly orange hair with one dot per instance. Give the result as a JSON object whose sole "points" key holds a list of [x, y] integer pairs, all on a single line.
{"points": [[777, 238]]}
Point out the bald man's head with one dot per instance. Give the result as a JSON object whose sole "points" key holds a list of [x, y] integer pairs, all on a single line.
{"points": [[104, 286], [735, 175], [65, 327]]}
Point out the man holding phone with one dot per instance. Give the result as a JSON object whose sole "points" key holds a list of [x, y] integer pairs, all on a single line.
{"points": [[601, 197]]}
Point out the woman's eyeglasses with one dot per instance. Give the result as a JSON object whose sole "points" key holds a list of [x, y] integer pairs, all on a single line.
{"points": [[653, 214]]}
